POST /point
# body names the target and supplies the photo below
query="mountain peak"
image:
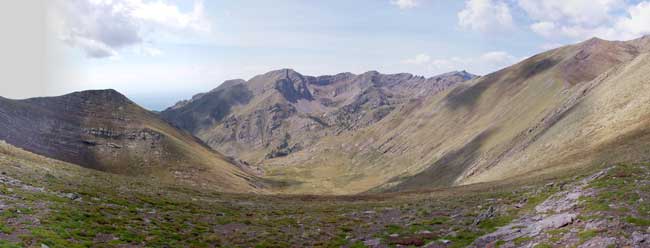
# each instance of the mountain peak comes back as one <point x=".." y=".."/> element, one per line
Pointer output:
<point x="229" y="83"/>
<point x="595" y="39"/>
<point x="282" y="72"/>
<point x="463" y="74"/>
<point x="100" y="92"/>
<point x="372" y="72"/>
<point x="99" y="97"/>
<point x="103" y="95"/>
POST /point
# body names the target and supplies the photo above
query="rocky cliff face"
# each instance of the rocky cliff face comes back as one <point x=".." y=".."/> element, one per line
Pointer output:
<point x="281" y="112"/>
<point x="104" y="130"/>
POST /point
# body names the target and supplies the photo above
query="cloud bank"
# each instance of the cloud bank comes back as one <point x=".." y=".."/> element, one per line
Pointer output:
<point x="485" y="16"/>
<point x="561" y="20"/>
<point x="582" y="19"/>
<point x="101" y="28"/>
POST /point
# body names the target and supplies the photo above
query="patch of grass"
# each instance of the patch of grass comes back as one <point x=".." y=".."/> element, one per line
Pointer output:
<point x="637" y="221"/>
<point x="414" y="228"/>
<point x="390" y="229"/>
<point x="556" y="235"/>
<point x="7" y="244"/>
<point x="644" y="209"/>
<point x="438" y="220"/>
<point x="9" y="213"/>
<point x="338" y="241"/>
<point x="130" y="236"/>
<point x="491" y="225"/>
<point x="587" y="235"/>
<point x="592" y="204"/>
<point x="6" y="229"/>
<point x="557" y="231"/>
<point x="543" y="245"/>
<point x="4" y="190"/>
<point x="51" y="238"/>
<point x="586" y="218"/>
<point x="346" y="229"/>
<point x="521" y="240"/>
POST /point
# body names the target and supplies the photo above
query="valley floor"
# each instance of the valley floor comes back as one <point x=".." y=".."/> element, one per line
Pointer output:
<point x="44" y="203"/>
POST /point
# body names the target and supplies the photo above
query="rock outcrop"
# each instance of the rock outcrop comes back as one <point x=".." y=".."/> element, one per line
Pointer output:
<point x="283" y="111"/>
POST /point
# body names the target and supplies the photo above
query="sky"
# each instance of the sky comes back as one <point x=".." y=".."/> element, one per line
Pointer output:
<point x="158" y="52"/>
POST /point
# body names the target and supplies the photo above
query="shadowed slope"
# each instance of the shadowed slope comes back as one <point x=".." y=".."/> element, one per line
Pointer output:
<point x="104" y="130"/>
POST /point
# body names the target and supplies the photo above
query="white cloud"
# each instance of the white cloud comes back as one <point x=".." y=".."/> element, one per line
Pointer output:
<point x="405" y="4"/>
<point x="497" y="58"/>
<point x="637" y="22"/>
<point x="102" y="27"/>
<point x="481" y="64"/>
<point x="546" y="29"/>
<point x="418" y="59"/>
<point x="582" y="19"/>
<point x="486" y="15"/>
<point x="583" y="12"/>
<point x="93" y="48"/>
<point x="168" y="16"/>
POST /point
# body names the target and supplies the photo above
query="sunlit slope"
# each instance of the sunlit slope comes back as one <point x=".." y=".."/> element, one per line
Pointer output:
<point x="609" y="123"/>
<point x="104" y="130"/>
<point x="494" y="127"/>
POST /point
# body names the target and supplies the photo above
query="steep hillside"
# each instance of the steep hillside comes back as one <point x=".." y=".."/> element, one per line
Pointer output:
<point x="45" y="202"/>
<point x="104" y="130"/>
<point x="568" y="107"/>
<point x="282" y="112"/>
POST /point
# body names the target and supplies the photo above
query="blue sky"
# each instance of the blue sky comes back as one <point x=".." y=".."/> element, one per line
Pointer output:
<point x="158" y="52"/>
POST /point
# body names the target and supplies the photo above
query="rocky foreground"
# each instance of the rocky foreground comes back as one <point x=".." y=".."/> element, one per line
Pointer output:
<point x="47" y="203"/>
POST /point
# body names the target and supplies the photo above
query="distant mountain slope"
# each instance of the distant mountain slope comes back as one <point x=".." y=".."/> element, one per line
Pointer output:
<point x="104" y="130"/>
<point x="572" y="106"/>
<point x="282" y="112"/>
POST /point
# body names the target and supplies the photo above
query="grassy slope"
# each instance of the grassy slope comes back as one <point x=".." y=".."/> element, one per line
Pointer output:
<point x="62" y="205"/>
<point x="199" y="163"/>
<point x="44" y="201"/>
<point x="609" y="125"/>
<point x="486" y="129"/>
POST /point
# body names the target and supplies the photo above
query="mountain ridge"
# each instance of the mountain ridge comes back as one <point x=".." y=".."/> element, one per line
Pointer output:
<point x="272" y="112"/>
<point x="349" y="133"/>
<point x="469" y="131"/>
<point x="104" y="130"/>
